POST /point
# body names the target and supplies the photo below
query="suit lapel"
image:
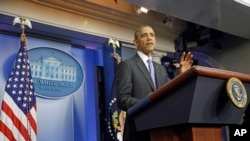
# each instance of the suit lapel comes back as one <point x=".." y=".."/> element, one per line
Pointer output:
<point x="144" y="70"/>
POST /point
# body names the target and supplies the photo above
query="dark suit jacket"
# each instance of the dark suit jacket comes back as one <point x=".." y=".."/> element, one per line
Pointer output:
<point x="133" y="83"/>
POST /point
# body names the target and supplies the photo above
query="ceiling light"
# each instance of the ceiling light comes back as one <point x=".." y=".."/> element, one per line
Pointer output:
<point x="244" y="2"/>
<point x="142" y="10"/>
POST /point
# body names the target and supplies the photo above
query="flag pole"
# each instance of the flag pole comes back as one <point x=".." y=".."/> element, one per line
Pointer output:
<point x="117" y="119"/>
<point x="25" y="22"/>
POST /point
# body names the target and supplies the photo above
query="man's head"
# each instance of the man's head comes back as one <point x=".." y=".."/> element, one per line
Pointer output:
<point x="145" y="39"/>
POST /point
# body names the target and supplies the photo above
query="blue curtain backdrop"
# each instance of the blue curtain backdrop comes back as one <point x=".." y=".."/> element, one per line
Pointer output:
<point x="92" y="59"/>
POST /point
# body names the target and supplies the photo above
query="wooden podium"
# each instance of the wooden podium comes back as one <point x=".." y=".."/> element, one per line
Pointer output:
<point x="194" y="106"/>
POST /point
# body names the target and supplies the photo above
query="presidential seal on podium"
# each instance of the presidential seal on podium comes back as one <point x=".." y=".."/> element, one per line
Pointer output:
<point x="236" y="92"/>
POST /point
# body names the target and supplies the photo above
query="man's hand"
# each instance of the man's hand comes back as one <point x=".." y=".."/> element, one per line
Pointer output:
<point x="186" y="61"/>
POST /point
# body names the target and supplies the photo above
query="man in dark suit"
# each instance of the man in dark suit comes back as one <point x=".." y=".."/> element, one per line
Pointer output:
<point x="134" y="82"/>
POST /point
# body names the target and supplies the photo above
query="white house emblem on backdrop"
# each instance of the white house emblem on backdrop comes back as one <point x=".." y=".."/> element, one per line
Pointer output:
<point x="55" y="73"/>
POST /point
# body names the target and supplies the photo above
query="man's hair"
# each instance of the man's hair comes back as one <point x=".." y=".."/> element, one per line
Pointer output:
<point x="138" y="29"/>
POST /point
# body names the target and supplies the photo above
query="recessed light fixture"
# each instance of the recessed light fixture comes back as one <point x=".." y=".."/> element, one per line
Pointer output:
<point x="144" y="10"/>
<point x="140" y="10"/>
<point x="243" y="2"/>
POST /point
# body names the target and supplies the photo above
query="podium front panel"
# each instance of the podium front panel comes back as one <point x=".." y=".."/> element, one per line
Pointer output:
<point x="202" y="100"/>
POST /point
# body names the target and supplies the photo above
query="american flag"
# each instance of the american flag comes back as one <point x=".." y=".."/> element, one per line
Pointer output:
<point x="18" y="113"/>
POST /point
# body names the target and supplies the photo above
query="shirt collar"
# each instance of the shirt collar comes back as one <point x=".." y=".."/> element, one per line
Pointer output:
<point x="144" y="57"/>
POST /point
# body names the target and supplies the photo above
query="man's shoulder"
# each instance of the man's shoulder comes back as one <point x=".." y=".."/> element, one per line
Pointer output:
<point x="131" y="59"/>
<point x="129" y="62"/>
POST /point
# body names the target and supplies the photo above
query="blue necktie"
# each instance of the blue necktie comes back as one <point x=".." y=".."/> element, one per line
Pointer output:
<point x="151" y="70"/>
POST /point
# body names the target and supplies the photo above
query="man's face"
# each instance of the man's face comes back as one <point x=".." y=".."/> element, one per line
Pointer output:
<point x="145" y="41"/>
